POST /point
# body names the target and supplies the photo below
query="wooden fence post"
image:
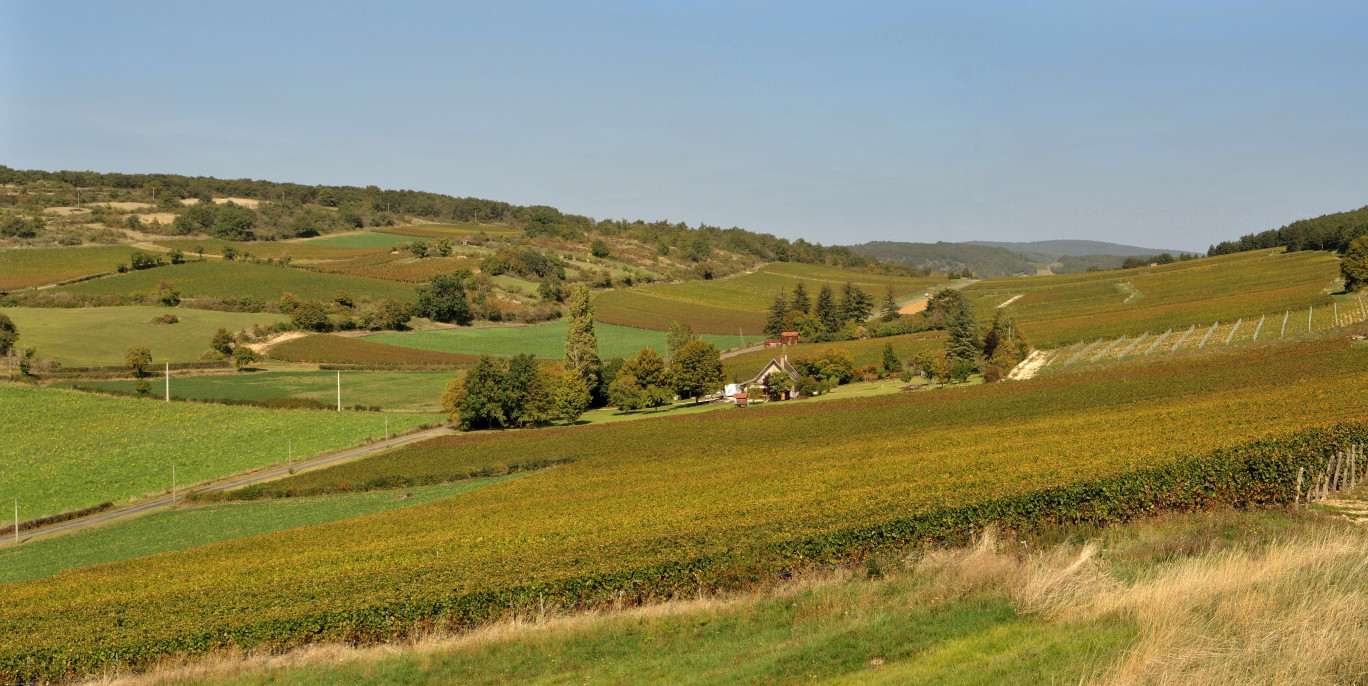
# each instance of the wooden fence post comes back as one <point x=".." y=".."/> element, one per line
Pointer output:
<point x="1296" y="504"/>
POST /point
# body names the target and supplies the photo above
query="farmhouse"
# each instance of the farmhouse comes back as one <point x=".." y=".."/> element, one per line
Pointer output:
<point x="736" y="392"/>
<point x="785" y="338"/>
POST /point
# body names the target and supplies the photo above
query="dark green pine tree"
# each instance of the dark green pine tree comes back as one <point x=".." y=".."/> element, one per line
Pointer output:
<point x="774" y="325"/>
<point x="963" y="343"/>
<point x="801" y="301"/>
<point x="890" y="305"/>
<point x="825" y="309"/>
<point x="891" y="364"/>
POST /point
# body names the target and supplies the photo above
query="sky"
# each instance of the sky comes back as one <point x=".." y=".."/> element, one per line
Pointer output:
<point x="1166" y="125"/>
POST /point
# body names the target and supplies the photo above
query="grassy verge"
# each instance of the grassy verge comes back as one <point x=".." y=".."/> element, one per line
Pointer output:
<point x="1205" y="598"/>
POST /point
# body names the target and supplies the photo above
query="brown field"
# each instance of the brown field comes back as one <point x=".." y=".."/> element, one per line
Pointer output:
<point x="328" y="349"/>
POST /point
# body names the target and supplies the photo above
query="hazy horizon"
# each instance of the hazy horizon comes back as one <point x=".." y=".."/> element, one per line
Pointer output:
<point x="1164" y="126"/>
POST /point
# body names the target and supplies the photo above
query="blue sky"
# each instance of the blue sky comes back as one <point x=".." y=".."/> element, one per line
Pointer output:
<point x="1161" y="124"/>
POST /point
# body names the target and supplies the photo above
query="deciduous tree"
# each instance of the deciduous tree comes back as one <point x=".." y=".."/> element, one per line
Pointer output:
<point x="138" y="358"/>
<point x="1354" y="266"/>
<point x="443" y="299"/>
<point x="697" y="370"/>
<point x="581" y="344"/>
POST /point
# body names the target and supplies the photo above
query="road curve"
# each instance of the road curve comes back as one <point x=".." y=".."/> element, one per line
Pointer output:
<point x="231" y="482"/>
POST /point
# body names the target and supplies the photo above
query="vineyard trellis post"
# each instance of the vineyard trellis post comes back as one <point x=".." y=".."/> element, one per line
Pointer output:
<point x="1309" y="311"/>
<point x="1259" y="328"/>
<point x="1210" y="331"/>
<point x="1362" y="310"/>
<point x="1286" y="314"/>
<point x="1156" y="342"/>
<point x="1300" y="474"/>
<point x="1336" y="304"/>
<point x="1231" y="336"/>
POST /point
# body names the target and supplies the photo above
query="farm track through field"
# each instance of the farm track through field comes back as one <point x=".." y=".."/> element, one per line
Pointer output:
<point x="229" y="483"/>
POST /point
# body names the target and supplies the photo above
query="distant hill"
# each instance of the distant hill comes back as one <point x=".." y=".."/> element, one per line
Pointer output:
<point x="983" y="260"/>
<point x="1076" y="248"/>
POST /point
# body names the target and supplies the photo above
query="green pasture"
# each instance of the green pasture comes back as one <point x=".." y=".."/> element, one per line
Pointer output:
<point x="359" y="239"/>
<point x="66" y="450"/>
<point x="189" y="527"/>
<point x="219" y="279"/>
<point x="29" y="267"/>
<point x="417" y="391"/>
<point x="544" y="341"/>
<point x="756" y="291"/>
<point x="98" y="336"/>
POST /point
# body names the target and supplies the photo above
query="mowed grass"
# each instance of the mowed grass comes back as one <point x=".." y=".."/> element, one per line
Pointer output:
<point x="653" y="497"/>
<point x="1057" y="310"/>
<point x="188" y="527"/>
<point x="329" y="349"/>
<point x="29" y="267"/>
<point x="66" y="450"/>
<point x="864" y="352"/>
<point x="219" y="279"/>
<point x="358" y="239"/>
<point x="415" y="391"/>
<point x="99" y="336"/>
<point x="544" y="341"/>
<point x="715" y="306"/>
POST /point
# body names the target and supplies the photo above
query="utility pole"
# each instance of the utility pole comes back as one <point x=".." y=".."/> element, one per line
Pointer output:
<point x="173" y="483"/>
<point x="168" y="382"/>
<point x="289" y="446"/>
<point x="339" y="390"/>
<point x="16" y="521"/>
<point x="387" y="427"/>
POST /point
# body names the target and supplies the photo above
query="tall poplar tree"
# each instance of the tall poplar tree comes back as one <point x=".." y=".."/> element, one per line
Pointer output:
<point x="581" y="345"/>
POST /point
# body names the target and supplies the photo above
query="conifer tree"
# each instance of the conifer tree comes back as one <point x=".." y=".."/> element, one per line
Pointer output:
<point x="825" y="309"/>
<point x="581" y="345"/>
<point x="774" y="325"/>
<point x="801" y="301"/>
<point x="890" y="359"/>
<point x="890" y="305"/>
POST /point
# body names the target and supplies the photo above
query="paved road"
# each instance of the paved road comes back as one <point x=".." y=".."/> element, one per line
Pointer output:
<point x="231" y="482"/>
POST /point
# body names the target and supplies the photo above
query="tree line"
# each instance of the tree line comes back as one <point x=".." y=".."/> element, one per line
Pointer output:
<point x="522" y="392"/>
<point x="1327" y="232"/>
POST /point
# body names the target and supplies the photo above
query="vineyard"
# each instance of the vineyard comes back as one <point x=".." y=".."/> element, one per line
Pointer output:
<point x="327" y="349"/>
<point x="710" y="500"/>
<point x="389" y="267"/>
<point x="66" y="450"/>
<point x="723" y="305"/>
<point x="219" y="279"/>
<point x="1061" y="310"/>
<point x="544" y="341"/>
<point x="63" y="334"/>
<point x="1341" y="311"/>
<point x="298" y="250"/>
<point x="29" y="267"/>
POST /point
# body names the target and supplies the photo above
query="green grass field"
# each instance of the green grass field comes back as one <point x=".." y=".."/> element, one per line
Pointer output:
<point x="1056" y="310"/>
<point x="545" y="341"/>
<point x="220" y="279"/>
<point x="65" y="450"/>
<point x="359" y="239"/>
<point x="98" y="336"/>
<point x="29" y="267"/>
<point x="415" y="391"/>
<point x="723" y="305"/>
<point x="439" y="231"/>
<point x="188" y="527"/>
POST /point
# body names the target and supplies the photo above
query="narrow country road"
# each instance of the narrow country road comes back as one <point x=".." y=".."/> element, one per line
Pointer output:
<point x="230" y="482"/>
